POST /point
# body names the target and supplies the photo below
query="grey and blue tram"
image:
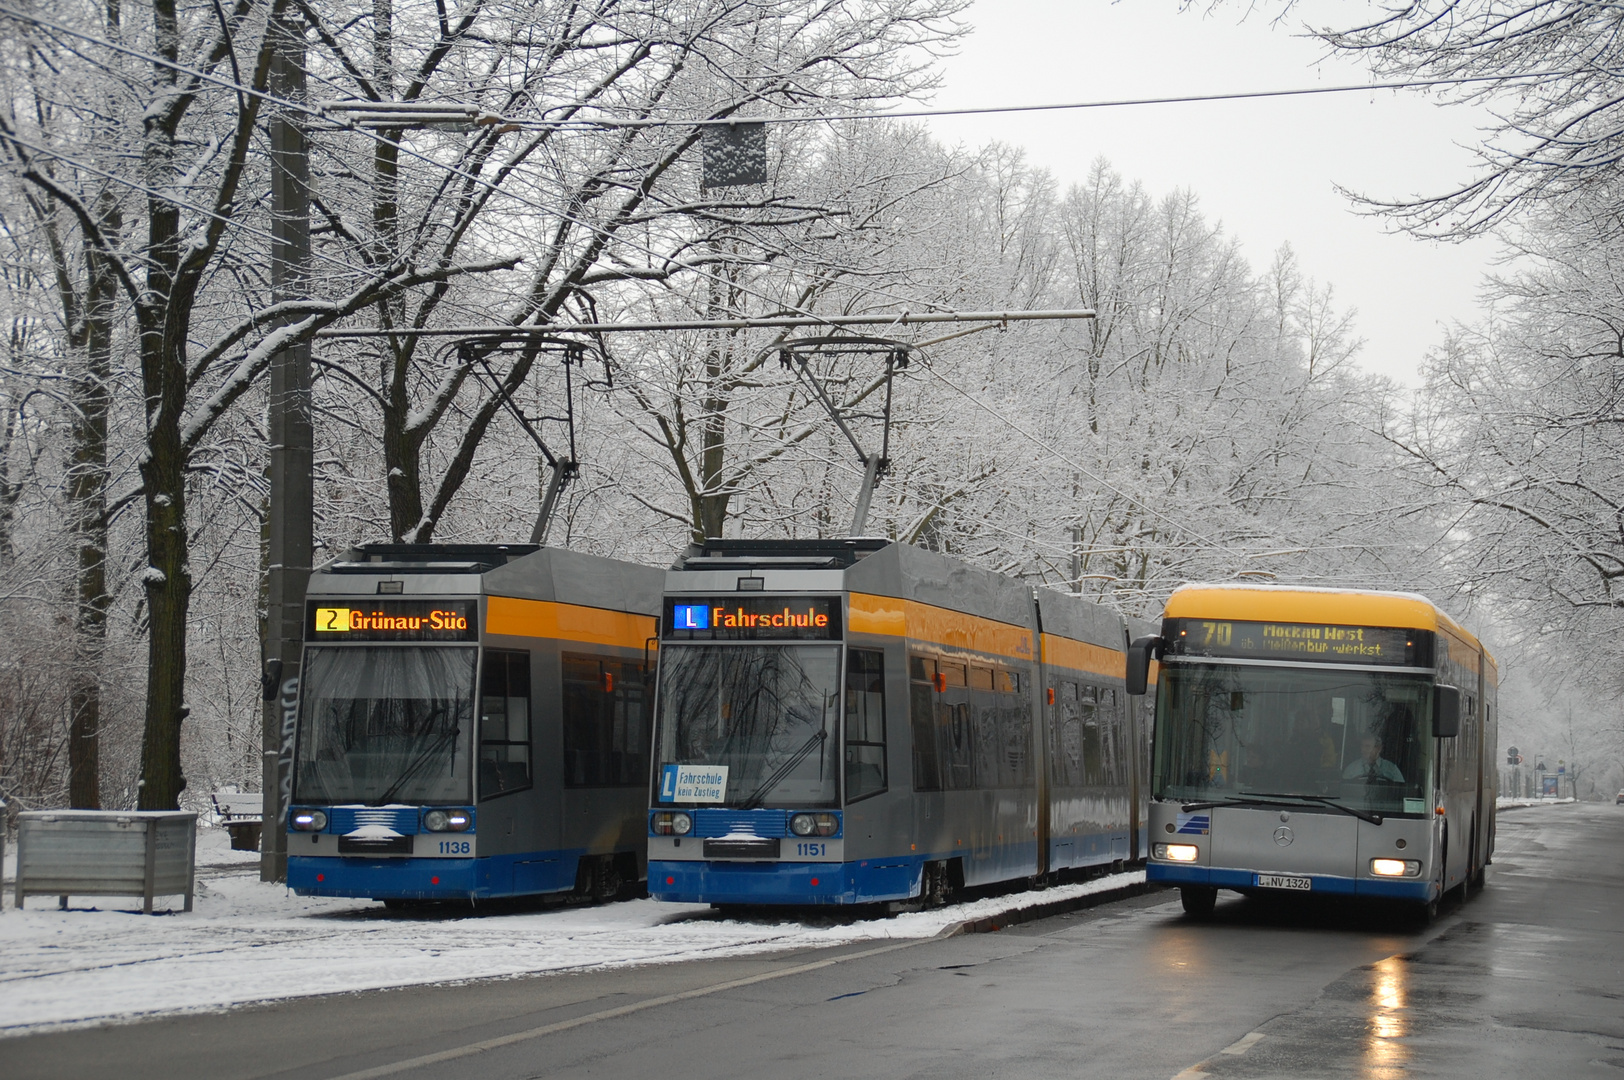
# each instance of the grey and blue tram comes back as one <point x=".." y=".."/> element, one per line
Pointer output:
<point x="857" y="721"/>
<point x="472" y="723"/>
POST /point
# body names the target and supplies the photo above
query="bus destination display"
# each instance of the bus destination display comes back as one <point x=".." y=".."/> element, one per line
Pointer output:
<point x="756" y="618"/>
<point x="345" y="619"/>
<point x="1316" y="642"/>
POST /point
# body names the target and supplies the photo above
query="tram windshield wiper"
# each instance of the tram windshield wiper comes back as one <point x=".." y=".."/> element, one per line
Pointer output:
<point x="1323" y="800"/>
<point x="784" y="770"/>
<point x="422" y="759"/>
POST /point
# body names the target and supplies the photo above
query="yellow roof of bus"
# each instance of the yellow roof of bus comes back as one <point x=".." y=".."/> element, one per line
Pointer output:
<point x="1289" y="603"/>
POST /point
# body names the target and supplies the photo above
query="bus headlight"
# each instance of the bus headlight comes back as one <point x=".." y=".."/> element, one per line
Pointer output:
<point x="1395" y="867"/>
<point x="308" y="820"/>
<point x="1176" y="852"/>
<point x="447" y="820"/>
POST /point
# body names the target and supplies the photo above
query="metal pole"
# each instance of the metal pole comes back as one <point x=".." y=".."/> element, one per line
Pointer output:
<point x="865" y="495"/>
<point x="289" y="524"/>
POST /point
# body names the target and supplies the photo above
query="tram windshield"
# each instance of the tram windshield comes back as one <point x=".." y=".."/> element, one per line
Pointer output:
<point x="1359" y="738"/>
<point x="385" y="724"/>
<point x="767" y="713"/>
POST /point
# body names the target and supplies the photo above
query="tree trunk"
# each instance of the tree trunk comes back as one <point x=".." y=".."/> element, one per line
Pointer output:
<point x="87" y="491"/>
<point x="168" y="591"/>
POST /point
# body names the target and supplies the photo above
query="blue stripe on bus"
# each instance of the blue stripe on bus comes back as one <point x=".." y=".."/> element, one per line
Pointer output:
<point x="485" y="877"/>
<point x="1385" y="888"/>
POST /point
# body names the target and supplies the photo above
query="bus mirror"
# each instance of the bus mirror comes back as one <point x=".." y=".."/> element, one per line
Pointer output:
<point x="1445" y="712"/>
<point x="1139" y="657"/>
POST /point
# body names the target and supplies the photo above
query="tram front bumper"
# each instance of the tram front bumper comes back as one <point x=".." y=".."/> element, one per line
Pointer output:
<point x="788" y="883"/>
<point x="387" y="879"/>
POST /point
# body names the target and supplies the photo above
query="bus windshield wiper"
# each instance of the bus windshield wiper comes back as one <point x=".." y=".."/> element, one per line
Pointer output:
<point x="784" y="770"/>
<point x="1323" y="800"/>
<point x="1269" y="798"/>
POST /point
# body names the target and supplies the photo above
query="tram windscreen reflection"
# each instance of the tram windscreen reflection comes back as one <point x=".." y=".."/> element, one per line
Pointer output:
<point x="381" y="724"/>
<point x="767" y="712"/>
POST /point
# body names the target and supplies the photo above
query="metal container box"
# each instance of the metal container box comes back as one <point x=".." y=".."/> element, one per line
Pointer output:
<point x="106" y="853"/>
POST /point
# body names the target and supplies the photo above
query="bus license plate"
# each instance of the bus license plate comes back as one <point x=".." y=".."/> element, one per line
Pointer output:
<point x="1279" y="881"/>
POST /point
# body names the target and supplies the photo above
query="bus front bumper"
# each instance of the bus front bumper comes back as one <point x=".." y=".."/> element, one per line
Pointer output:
<point x="1319" y="884"/>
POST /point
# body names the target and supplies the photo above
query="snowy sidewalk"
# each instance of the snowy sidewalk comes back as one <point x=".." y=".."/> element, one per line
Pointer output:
<point x="249" y="941"/>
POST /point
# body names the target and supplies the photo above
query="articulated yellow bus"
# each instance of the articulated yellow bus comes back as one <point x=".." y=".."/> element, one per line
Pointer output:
<point x="1318" y="741"/>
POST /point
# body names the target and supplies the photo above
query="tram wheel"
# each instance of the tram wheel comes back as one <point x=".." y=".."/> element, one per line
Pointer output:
<point x="937" y="886"/>
<point x="1198" y="900"/>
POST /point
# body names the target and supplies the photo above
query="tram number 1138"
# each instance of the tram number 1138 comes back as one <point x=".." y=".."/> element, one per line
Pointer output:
<point x="456" y="847"/>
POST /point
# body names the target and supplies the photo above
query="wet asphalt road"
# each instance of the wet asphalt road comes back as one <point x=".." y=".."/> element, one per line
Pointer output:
<point x="1525" y="979"/>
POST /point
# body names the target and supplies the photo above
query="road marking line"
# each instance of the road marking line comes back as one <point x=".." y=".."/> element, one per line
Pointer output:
<point x="624" y="1010"/>
<point x="1243" y="1044"/>
<point x="1192" y="1073"/>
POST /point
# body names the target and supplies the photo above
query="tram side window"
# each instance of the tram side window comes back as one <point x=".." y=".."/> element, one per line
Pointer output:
<point x="1093" y="741"/>
<point x="922" y="723"/>
<point x="955" y="729"/>
<point x="1067" y="769"/>
<point x="504" y="724"/>
<point x="865" y="723"/>
<point x="606" y="732"/>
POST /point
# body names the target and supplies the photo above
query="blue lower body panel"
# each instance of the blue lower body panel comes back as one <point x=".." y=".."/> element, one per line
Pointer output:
<point x="1323" y="884"/>
<point x="866" y="881"/>
<point x="485" y="877"/>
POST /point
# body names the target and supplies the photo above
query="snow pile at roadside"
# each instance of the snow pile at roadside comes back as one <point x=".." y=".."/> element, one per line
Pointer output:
<point x="250" y="941"/>
<point x="1505" y="804"/>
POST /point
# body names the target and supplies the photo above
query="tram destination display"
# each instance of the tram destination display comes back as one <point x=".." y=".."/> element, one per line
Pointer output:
<point x="1325" y="643"/>
<point x="755" y="618"/>
<point x="350" y="619"/>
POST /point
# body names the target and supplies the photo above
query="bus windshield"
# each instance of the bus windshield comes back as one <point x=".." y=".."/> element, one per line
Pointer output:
<point x="1360" y="738"/>
<point x="767" y="713"/>
<point x="385" y="724"/>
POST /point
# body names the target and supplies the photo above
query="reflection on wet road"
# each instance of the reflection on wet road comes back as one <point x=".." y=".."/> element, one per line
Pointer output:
<point x="1524" y="979"/>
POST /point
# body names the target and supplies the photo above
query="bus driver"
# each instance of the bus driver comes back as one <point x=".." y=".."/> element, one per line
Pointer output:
<point x="1371" y="766"/>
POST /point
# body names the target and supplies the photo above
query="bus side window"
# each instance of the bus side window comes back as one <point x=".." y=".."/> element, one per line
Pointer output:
<point x="504" y="723"/>
<point x="865" y="723"/>
<point x="1093" y="740"/>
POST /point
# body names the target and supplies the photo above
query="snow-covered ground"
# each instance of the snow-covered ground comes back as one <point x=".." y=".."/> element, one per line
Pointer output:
<point x="247" y="941"/>
<point x="1504" y="803"/>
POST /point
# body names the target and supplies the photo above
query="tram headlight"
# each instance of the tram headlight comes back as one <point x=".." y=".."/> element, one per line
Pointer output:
<point x="827" y="824"/>
<point x="447" y="820"/>
<point x="669" y="822"/>
<point x="1395" y="867"/>
<point x="309" y="820"/>
<point x="802" y="824"/>
<point x="1176" y="852"/>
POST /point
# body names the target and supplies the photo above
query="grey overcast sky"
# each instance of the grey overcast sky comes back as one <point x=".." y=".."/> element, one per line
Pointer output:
<point x="1266" y="169"/>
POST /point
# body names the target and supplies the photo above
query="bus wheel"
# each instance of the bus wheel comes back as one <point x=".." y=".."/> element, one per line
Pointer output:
<point x="1198" y="900"/>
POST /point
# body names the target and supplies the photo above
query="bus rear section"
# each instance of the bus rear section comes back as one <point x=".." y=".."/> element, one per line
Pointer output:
<point x="1302" y="746"/>
<point x="471" y="725"/>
